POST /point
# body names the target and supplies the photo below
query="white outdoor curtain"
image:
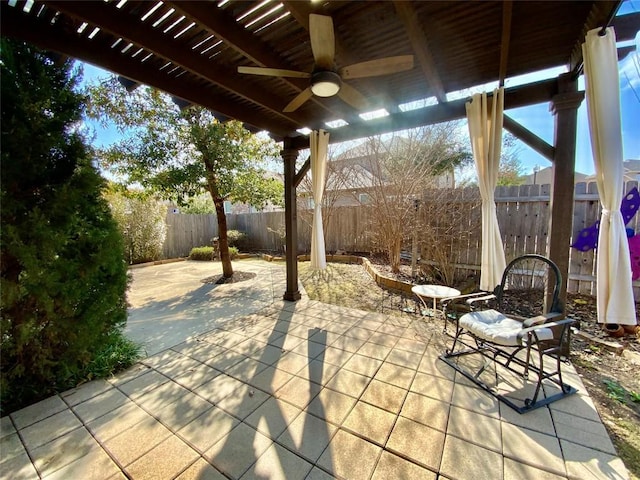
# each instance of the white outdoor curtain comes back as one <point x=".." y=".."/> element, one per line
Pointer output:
<point x="613" y="268"/>
<point x="319" y="142"/>
<point x="485" y="130"/>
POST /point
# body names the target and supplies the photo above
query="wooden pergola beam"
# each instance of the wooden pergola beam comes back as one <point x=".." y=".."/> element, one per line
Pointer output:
<point x="14" y="24"/>
<point x="515" y="97"/>
<point x="507" y="8"/>
<point x="529" y="138"/>
<point x="420" y="46"/>
<point x="224" y="26"/>
<point x="143" y="35"/>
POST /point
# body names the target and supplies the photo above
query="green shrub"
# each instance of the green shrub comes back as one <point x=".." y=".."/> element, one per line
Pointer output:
<point x="201" y="253"/>
<point x="64" y="277"/>
<point x="235" y="237"/>
<point x="207" y="253"/>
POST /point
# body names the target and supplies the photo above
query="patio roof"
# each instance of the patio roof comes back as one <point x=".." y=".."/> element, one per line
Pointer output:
<point x="192" y="50"/>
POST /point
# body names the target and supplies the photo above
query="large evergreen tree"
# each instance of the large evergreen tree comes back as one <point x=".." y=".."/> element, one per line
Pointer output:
<point x="63" y="276"/>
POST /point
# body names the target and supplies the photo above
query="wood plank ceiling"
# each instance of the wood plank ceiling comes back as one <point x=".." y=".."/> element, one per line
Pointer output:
<point x="192" y="50"/>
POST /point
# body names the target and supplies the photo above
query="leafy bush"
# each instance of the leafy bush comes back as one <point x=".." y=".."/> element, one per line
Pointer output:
<point x="235" y="237"/>
<point x="201" y="253"/>
<point x="64" y="276"/>
<point x="208" y="253"/>
<point x="141" y="221"/>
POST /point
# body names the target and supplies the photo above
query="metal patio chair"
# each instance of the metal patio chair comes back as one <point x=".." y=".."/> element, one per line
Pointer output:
<point x="518" y="325"/>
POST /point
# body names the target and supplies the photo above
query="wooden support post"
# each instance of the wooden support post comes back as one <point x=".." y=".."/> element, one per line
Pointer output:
<point x="564" y="107"/>
<point x="289" y="155"/>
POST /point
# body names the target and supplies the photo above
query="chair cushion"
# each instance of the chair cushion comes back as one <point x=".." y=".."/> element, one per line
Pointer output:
<point x="493" y="326"/>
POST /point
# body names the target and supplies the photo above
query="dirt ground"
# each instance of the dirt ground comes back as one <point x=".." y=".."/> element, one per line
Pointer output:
<point x="612" y="379"/>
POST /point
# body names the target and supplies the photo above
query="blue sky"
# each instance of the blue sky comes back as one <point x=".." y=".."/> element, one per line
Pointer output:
<point x="536" y="118"/>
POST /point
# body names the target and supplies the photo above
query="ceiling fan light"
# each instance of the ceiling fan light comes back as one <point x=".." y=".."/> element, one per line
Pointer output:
<point x="325" y="83"/>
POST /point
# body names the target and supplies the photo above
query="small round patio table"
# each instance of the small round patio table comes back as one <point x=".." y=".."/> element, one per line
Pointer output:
<point x="436" y="292"/>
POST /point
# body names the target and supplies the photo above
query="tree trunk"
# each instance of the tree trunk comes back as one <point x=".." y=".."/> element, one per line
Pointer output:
<point x="394" y="255"/>
<point x="223" y="242"/>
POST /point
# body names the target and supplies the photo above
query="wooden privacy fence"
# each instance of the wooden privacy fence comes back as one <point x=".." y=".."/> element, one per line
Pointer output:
<point x="523" y="216"/>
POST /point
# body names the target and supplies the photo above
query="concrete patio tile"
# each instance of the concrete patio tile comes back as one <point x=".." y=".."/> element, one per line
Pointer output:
<point x="243" y="401"/>
<point x="533" y="448"/>
<point x="178" y="366"/>
<point x="135" y="442"/>
<point x="160" y="397"/>
<point x="62" y="451"/>
<point x="475" y="428"/>
<point x="292" y="362"/>
<point x="461" y="459"/>
<point x="404" y="358"/>
<point x="331" y="406"/>
<point x="311" y="349"/>
<point x="223" y="338"/>
<point x="95" y="465"/>
<point x="370" y="322"/>
<point x="278" y="463"/>
<point x="128" y="375"/>
<point x="359" y="332"/>
<point x="201" y="470"/>
<point x="583" y="432"/>
<point x="246" y="369"/>
<point x="218" y="388"/>
<point x="432" y="365"/>
<point x="348" y="344"/>
<point x="163" y="461"/>
<point x="319" y="372"/>
<point x="192" y="378"/>
<point x="6" y="426"/>
<point x="579" y="405"/>
<point x="143" y="383"/>
<point x="519" y="471"/>
<point x="374" y="350"/>
<point x="475" y="399"/>
<point x="336" y="356"/>
<point x="100" y="404"/>
<point x="207" y="429"/>
<point x="392" y="466"/>
<point x="383" y="339"/>
<point x="363" y="365"/>
<point x="432" y="386"/>
<point x="49" y="429"/>
<point x="298" y="392"/>
<point x="269" y="355"/>
<point x="538" y="419"/>
<point x="308" y="436"/>
<point x="417" y="442"/>
<point x="588" y="464"/>
<point x="370" y="422"/>
<point x="117" y="421"/>
<point x="318" y="474"/>
<point x="384" y="395"/>
<point x="181" y="412"/>
<point x="426" y="410"/>
<point x="225" y="360"/>
<point x="18" y="467"/>
<point x="164" y="357"/>
<point x="349" y="383"/>
<point x="270" y="379"/>
<point x="85" y="391"/>
<point x="395" y="375"/>
<point x="204" y="352"/>
<point x="238" y="450"/>
<point x="11" y="446"/>
<point x="273" y="417"/>
<point x="349" y="456"/>
<point x="325" y="338"/>
<point x="412" y="346"/>
<point x="38" y="411"/>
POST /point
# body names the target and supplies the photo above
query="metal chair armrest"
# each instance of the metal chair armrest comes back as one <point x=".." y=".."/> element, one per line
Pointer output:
<point x="526" y="332"/>
<point x="541" y="319"/>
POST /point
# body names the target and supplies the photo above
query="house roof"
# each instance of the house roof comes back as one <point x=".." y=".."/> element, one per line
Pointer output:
<point x="192" y="50"/>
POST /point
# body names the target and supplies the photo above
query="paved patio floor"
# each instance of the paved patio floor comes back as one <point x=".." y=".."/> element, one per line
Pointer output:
<point x="279" y="390"/>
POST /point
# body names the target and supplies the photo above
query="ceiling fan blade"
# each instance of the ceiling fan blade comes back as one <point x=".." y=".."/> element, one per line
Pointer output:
<point x="374" y="68"/>
<point x="298" y="100"/>
<point x="323" y="42"/>
<point x="273" y="72"/>
<point x="353" y="97"/>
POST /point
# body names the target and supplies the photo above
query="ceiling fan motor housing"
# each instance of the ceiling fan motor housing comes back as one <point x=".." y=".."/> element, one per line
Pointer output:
<point x="325" y="83"/>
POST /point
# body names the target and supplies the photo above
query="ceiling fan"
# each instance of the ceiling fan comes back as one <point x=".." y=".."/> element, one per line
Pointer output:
<point x="325" y="80"/>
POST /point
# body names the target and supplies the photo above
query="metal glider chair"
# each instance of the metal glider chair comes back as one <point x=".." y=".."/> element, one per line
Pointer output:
<point x="518" y="326"/>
